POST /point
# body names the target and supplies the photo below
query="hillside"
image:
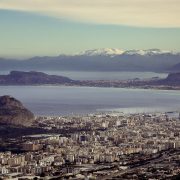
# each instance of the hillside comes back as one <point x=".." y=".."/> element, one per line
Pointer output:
<point x="176" y="68"/>
<point x="107" y="59"/>
<point x="173" y="79"/>
<point x="39" y="78"/>
<point x="12" y="112"/>
<point x="32" y="78"/>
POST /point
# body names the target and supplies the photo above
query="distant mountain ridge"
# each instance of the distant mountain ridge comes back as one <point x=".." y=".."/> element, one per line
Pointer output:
<point x="115" y="52"/>
<point x="102" y="52"/>
<point x="107" y="59"/>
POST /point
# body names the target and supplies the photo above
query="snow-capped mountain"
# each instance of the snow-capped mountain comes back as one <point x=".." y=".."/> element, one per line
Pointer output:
<point x="148" y="52"/>
<point x="102" y="52"/>
<point x="115" y="52"/>
<point x="107" y="59"/>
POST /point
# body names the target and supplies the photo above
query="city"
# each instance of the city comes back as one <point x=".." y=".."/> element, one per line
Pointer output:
<point x="89" y="90"/>
<point x="97" y="146"/>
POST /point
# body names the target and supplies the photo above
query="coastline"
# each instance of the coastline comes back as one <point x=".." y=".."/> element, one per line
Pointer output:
<point x="121" y="87"/>
<point x="33" y="78"/>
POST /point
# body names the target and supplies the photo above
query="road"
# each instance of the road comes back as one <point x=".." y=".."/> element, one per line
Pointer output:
<point x="129" y="170"/>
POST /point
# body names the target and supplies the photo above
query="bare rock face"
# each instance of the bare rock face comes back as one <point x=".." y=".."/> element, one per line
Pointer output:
<point x="12" y="112"/>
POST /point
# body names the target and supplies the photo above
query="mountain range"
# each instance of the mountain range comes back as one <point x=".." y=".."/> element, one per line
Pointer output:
<point x="115" y="52"/>
<point x="106" y="59"/>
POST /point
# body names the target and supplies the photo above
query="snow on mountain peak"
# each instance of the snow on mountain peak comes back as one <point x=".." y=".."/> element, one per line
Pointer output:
<point x="147" y="52"/>
<point x="103" y="52"/>
<point x="115" y="52"/>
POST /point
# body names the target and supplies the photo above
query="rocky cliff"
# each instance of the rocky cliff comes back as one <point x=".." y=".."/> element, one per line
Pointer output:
<point x="12" y="112"/>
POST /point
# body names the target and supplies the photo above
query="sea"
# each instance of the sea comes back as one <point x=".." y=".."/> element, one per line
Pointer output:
<point x="64" y="100"/>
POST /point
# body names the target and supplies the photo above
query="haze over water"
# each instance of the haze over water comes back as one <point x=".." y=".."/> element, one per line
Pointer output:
<point x="61" y="100"/>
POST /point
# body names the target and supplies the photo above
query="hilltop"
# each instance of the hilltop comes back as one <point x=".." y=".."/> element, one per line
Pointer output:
<point x="12" y="112"/>
<point x="32" y="78"/>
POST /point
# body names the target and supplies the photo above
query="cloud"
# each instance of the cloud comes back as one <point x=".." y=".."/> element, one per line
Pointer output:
<point x="144" y="13"/>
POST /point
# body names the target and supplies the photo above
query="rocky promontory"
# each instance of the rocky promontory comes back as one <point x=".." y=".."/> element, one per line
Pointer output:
<point x="32" y="78"/>
<point x="12" y="112"/>
<point x="40" y="78"/>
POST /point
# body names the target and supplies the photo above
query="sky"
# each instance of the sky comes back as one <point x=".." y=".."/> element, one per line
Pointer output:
<point x="52" y="27"/>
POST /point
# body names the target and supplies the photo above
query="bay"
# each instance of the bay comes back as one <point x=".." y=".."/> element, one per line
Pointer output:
<point x="88" y="75"/>
<point x="64" y="100"/>
<point x="122" y="75"/>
